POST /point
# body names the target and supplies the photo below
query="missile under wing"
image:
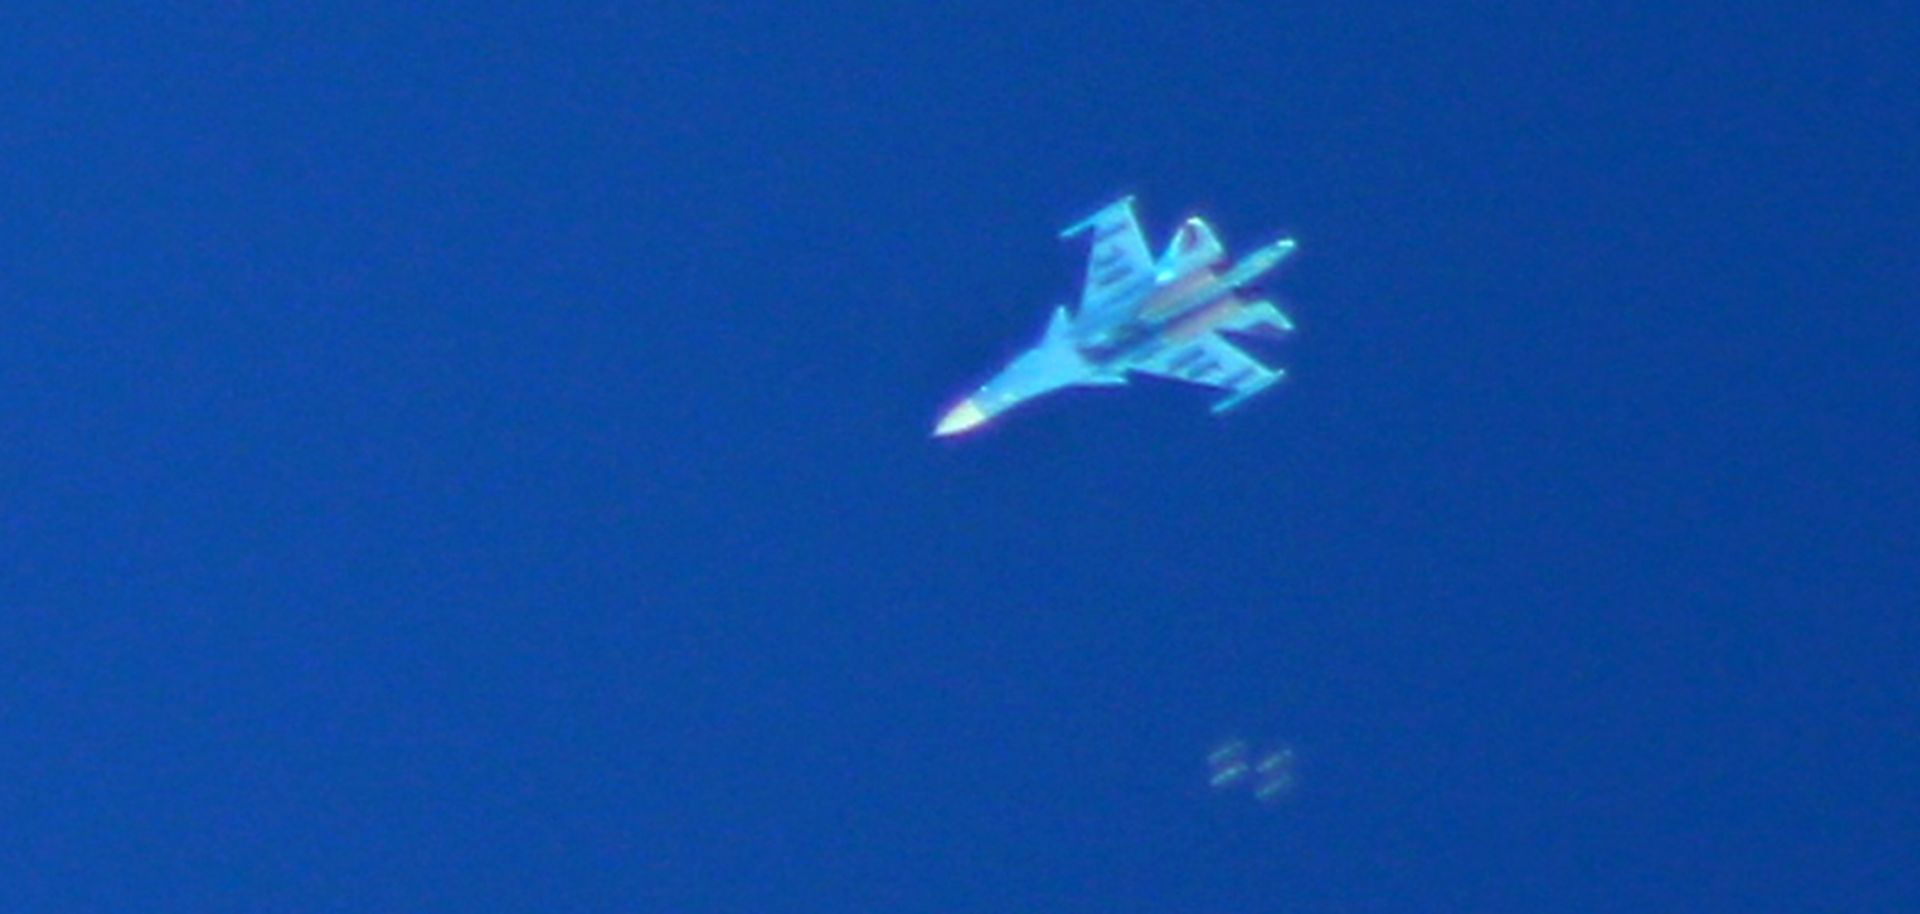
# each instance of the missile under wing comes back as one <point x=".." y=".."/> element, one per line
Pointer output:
<point x="1170" y="317"/>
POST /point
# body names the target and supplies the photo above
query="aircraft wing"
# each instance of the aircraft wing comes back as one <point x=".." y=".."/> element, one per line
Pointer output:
<point x="1118" y="264"/>
<point x="1212" y="360"/>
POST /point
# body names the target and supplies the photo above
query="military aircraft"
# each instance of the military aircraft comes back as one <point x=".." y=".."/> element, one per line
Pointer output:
<point x="1163" y="318"/>
<point x="1271" y="778"/>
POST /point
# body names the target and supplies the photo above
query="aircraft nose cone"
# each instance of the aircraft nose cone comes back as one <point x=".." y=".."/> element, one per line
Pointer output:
<point x="964" y="416"/>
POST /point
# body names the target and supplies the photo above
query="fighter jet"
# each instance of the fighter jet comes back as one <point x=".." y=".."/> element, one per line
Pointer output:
<point x="1160" y="317"/>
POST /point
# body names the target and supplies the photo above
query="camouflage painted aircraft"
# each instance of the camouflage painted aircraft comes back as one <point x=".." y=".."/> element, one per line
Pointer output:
<point x="1163" y="318"/>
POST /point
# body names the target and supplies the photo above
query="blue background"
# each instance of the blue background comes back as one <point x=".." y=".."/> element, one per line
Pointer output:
<point x="474" y="458"/>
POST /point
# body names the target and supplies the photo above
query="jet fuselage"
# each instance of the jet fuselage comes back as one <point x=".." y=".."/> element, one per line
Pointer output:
<point x="1175" y="308"/>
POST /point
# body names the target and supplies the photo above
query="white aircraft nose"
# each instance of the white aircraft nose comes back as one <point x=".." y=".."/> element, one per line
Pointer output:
<point x="967" y="414"/>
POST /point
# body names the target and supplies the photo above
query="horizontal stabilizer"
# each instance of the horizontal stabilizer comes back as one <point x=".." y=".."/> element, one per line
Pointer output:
<point x="1261" y="318"/>
<point x="1247" y="390"/>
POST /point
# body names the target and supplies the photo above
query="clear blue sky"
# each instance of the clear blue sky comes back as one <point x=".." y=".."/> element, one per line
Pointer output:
<point x="474" y="459"/>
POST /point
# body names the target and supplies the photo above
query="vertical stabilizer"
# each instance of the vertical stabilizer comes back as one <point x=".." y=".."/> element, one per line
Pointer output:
<point x="1194" y="246"/>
